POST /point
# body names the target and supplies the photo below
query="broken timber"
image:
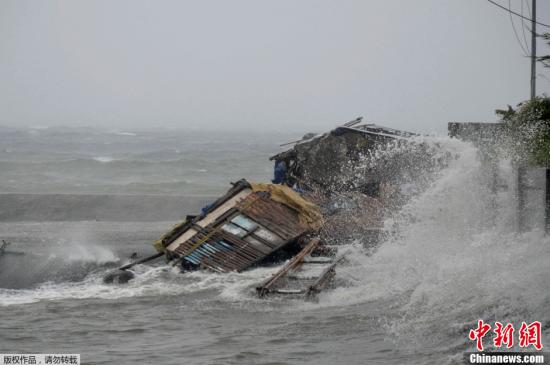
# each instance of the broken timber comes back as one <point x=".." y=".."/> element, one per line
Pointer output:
<point x="323" y="279"/>
<point x="288" y="281"/>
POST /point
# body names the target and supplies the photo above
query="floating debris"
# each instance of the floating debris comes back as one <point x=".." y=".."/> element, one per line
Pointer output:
<point x="3" y="249"/>
<point x="5" y="245"/>
<point x="306" y="274"/>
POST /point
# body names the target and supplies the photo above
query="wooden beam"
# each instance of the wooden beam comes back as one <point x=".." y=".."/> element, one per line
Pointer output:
<point x="265" y="287"/>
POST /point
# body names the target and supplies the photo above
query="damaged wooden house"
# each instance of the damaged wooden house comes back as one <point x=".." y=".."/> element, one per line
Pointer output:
<point x="358" y="173"/>
<point x="255" y="224"/>
<point x="326" y="191"/>
<point x="246" y="226"/>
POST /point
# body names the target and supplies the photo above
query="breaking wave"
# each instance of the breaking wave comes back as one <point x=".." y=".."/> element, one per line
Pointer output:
<point x="453" y="257"/>
<point x="104" y="159"/>
<point x="149" y="281"/>
<point x="154" y="281"/>
<point x="153" y="173"/>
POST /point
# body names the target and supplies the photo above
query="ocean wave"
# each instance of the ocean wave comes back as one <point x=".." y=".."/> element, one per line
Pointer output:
<point x="104" y="159"/>
<point x="126" y="134"/>
<point x="149" y="281"/>
<point x="453" y="257"/>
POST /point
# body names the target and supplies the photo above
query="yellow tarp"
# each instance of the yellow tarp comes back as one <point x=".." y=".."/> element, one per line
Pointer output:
<point x="159" y="246"/>
<point x="308" y="212"/>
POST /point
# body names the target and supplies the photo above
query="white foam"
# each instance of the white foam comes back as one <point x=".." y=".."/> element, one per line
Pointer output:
<point x="128" y="134"/>
<point x="148" y="281"/>
<point x="454" y="258"/>
<point x="78" y="243"/>
<point x="104" y="159"/>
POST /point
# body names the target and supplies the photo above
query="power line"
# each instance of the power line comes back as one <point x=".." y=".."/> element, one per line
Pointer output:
<point x="521" y="16"/>
<point x="525" y="52"/>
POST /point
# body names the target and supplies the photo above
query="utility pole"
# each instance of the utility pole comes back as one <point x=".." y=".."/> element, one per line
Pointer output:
<point x="533" y="49"/>
<point x="522" y="172"/>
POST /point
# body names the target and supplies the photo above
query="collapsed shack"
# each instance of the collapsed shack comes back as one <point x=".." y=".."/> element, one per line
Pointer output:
<point x="328" y="162"/>
<point x="255" y="224"/>
<point x="359" y="173"/>
<point x="251" y="224"/>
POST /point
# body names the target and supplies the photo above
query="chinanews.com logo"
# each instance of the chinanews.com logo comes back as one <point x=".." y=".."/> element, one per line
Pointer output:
<point x="528" y="339"/>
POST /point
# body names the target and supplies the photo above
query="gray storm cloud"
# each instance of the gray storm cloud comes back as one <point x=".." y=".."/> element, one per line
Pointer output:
<point x="302" y="65"/>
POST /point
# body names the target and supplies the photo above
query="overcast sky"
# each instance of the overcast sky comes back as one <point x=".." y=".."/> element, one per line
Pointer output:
<point x="263" y="65"/>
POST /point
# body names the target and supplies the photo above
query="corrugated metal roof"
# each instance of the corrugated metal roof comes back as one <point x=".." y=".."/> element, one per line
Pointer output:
<point x="354" y="127"/>
<point x="275" y="216"/>
<point x="220" y="252"/>
<point x="218" y="249"/>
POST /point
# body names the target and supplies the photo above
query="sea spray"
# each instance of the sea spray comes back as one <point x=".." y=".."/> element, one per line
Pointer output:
<point x="68" y="255"/>
<point x="78" y="244"/>
<point x="452" y="257"/>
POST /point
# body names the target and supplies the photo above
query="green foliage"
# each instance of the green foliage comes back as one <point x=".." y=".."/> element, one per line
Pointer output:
<point x="529" y="129"/>
<point x="506" y="114"/>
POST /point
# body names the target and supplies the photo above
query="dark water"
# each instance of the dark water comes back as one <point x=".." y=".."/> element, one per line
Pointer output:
<point x="162" y="316"/>
<point x="411" y="302"/>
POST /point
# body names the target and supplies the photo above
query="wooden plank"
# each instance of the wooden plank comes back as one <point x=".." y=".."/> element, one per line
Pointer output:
<point x="265" y="287"/>
<point x="210" y="218"/>
<point x="289" y="291"/>
<point x="322" y="280"/>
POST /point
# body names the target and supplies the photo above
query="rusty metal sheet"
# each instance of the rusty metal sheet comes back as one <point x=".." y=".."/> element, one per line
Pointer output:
<point x="274" y="216"/>
<point x="220" y="251"/>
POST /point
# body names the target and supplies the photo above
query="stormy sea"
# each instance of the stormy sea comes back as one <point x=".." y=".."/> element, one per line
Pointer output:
<point x="77" y="202"/>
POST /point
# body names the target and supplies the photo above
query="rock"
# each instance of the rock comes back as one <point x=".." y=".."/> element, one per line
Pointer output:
<point x="118" y="277"/>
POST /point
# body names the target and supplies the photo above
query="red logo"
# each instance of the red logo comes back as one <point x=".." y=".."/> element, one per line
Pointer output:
<point x="529" y="334"/>
<point x="478" y="334"/>
<point x="504" y="335"/>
